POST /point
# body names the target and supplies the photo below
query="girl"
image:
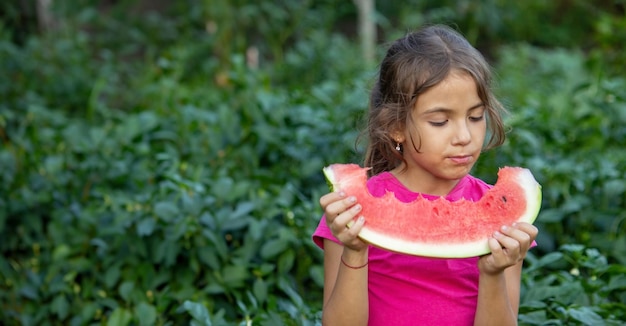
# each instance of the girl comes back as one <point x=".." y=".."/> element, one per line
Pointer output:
<point x="430" y="109"/>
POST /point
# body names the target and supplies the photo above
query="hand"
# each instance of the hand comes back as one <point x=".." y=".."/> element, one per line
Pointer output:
<point x="340" y="212"/>
<point x="508" y="247"/>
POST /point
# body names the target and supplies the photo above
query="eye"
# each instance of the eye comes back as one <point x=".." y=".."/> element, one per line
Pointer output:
<point x="477" y="118"/>
<point x="438" y="123"/>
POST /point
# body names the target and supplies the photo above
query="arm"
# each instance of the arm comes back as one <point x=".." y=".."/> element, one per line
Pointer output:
<point x="498" y="297"/>
<point x="500" y="275"/>
<point x="345" y="288"/>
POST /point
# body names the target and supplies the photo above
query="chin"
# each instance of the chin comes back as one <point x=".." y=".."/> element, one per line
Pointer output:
<point x="461" y="172"/>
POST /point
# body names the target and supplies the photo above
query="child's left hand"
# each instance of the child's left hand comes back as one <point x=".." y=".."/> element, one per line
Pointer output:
<point x="509" y="246"/>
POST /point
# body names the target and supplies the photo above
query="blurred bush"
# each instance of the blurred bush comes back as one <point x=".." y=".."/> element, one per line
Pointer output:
<point x="161" y="164"/>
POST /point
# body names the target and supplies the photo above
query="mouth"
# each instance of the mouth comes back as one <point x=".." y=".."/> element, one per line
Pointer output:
<point x="461" y="159"/>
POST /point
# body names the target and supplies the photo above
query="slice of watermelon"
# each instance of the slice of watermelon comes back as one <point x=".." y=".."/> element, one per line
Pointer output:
<point x="439" y="228"/>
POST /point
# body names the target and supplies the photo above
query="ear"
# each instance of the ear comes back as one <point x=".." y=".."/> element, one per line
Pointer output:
<point x="398" y="136"/>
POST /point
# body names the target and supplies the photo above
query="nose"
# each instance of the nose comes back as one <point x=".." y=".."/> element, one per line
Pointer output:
<point x="463" y="134"/>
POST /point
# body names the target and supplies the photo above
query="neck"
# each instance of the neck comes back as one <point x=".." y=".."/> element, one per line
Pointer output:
<point x="424" y="183"/>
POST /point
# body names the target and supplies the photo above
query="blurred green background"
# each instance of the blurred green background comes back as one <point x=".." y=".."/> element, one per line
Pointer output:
<point x="160" y="161"/>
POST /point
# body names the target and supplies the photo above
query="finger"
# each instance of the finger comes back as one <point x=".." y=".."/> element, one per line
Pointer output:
<point x="497" y="257"/>
<point x="330" y="198"/>
<point x="345" y="219"/>
<point x="337" y="207"/>
<point x="502" y="257"/>
<point x="511" y="246"/>
<point x="349" y="237"/>
<point x="495" y="246"/>
<point x="520" y="235"/>
<point x="530" y="229"/>
<point x="355" y="228"/>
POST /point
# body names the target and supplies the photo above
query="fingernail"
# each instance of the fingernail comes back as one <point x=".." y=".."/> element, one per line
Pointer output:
<point x="357" y="207"/>
<point x="352" y="199"/>
<point x="497" y="234"/>
<point x="342" y="194"/>
<point x="504" y="228"/>
<point x="361" y="219"/>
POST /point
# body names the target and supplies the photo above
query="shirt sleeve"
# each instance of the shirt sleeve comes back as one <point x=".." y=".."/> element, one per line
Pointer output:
<point x="323" y="232"/>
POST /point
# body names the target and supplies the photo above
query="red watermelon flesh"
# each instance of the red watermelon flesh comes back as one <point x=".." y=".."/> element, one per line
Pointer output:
<point x="440" y="228"/>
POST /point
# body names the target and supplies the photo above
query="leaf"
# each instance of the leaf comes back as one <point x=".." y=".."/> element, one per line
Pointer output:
<point x="135" y="125"/>
<point x="551" y="215"/>
<point x="218" y="241"/>
<point x="146" y="313"/>
<point x="259" y="288"/>
<point x="60" y="306"/>
<point x="29" y="292"/>
<point x="317" y="274"/>
<point x="214" y="288"/>
<point x="198" y="311"/>
<point x="617" y="282"/>
<point x="285" y="261"/>
<point x="120" y="317"/>
<point x="533" y="305"/>
<point x="533" y="318"/>
<point x="273" y="247"/>
<point x="166" y="210"/>
<point x="256" y="229"/>
<point x="572" y="248"/>
<point x="208" y="257"/>
<point x="166" y="252"/>
<point x="286" y="287"/>
<point x="546" y="260"/>
<point x="243" y="209"/>
<point x="566" y="293"/>
<point x="125" y="290"/>
<point x="146" y="226"/>
<point x="101" y="246"/>
<point x="89" y="310"/>
<point x="112" y="276"/>
<point x="586" y="316"/>
<point x="233" y="223"/>
<point x="234" y="276"/>
<point x="61" y="252"/>
<point x="614" y="187"/>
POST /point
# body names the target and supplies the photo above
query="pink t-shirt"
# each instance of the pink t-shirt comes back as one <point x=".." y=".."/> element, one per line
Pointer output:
<point x="411" y="290"/>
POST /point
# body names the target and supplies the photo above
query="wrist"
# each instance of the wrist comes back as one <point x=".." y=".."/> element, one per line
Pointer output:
<point x="483" y="274"/>
<point x="354" y="259"/>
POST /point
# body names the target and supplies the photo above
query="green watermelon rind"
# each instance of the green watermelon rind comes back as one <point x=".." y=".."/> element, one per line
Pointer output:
<point x="524" y="179"/>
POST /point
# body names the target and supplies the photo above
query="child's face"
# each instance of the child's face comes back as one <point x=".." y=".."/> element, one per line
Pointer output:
<point x="448" y="127"/>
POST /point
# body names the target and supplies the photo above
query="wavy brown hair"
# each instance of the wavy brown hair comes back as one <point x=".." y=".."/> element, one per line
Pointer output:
<point x="413" y="64"/>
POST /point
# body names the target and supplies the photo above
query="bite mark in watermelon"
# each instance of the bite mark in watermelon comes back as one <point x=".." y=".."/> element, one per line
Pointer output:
<point x="439" y="228"/>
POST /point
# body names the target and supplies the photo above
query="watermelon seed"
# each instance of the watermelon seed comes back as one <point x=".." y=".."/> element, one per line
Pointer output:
<point x="504" y="199"/>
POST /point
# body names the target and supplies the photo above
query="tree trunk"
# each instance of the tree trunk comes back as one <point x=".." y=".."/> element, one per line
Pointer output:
<point x="45" y="18"/>
<point x="367" y="29"/>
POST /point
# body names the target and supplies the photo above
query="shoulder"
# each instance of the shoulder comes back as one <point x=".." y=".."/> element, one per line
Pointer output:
<point x="384" y="182"/>
<point x="380" y="183"/>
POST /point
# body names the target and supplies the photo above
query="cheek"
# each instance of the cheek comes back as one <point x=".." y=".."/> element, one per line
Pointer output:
<point x="479" y="129"/>
<point x="483" y="131"/>
<point x="429" y="140"/>
<point x="413" y="137"/>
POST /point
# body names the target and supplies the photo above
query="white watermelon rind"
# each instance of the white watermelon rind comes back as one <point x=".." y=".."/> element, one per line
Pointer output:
<point x="524" y="178"/>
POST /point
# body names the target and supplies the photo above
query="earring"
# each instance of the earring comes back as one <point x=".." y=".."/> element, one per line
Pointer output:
<point x="398" y="148"/>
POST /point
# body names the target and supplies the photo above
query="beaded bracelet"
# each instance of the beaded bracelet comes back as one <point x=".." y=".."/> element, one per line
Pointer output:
<point x="353" y="267"/>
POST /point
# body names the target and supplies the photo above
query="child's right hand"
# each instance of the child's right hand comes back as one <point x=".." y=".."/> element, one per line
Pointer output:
<point x="340" y="211"/>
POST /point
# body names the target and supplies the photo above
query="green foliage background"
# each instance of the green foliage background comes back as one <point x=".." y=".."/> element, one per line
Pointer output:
<point x="150" y="173"/>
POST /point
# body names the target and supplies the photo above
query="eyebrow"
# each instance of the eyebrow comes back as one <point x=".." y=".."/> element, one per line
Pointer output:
<point x="441" y="109"/>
